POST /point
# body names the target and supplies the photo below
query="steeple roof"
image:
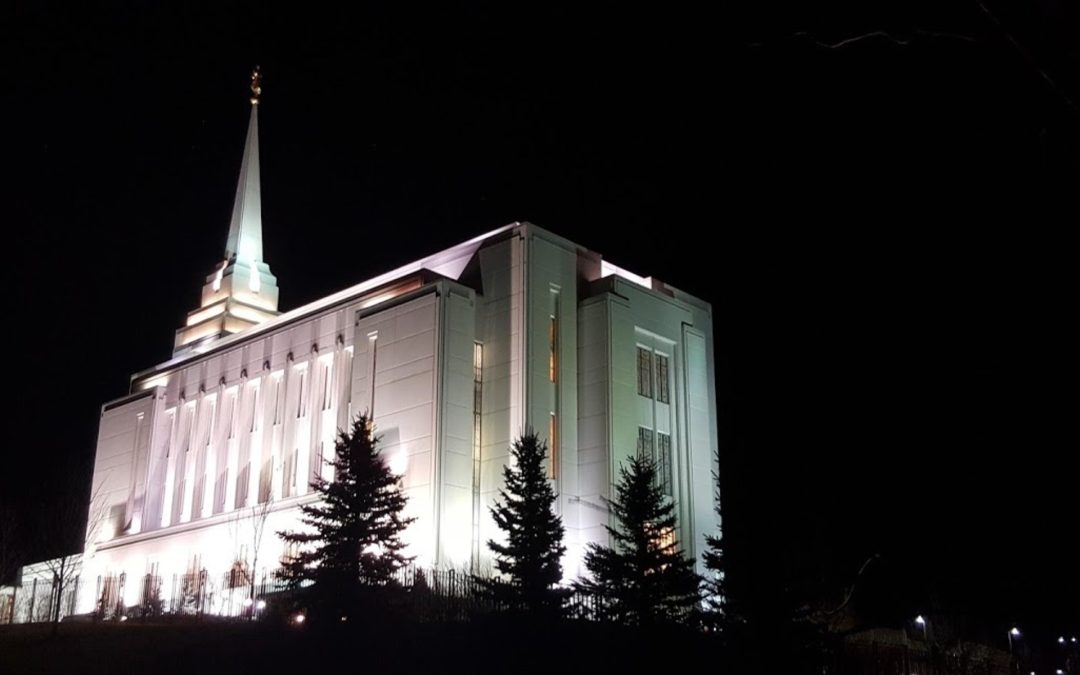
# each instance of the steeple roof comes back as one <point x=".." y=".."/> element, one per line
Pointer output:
<point x="245" y="229"/>
<point x="240" y="292"/>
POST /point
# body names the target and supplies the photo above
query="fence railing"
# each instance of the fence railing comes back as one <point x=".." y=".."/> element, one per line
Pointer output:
<point x="428" y="594"/>
<point x="39" y="601"/>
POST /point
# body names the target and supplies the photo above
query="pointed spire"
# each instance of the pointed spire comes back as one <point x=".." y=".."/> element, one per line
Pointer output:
<point x="245" y="229"/>
<point x="240" y="292"/>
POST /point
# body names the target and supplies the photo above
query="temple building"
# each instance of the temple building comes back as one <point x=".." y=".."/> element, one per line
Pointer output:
<point x="453" y="355"/>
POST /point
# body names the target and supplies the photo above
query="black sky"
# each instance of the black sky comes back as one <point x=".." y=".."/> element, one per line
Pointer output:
<point x="882" y="228"/>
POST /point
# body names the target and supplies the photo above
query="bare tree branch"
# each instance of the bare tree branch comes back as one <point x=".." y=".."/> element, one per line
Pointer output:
<point x="878" y="35"/>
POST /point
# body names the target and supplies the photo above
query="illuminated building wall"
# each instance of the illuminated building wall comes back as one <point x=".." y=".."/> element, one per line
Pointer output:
<point x="454" y="355"/>
<point x="204" y="438"/>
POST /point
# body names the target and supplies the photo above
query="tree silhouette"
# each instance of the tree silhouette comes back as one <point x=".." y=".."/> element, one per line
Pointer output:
<point x="353" y="538"/>
<point x="525" y="511"/>
<point x="644" y="578"/>
<point x="717" y="607"/>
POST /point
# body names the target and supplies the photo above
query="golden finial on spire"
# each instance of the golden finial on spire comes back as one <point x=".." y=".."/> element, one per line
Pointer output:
<point x="256" y="86"/>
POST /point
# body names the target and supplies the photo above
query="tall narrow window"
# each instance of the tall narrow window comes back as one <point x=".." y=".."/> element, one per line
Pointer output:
<point x="553" y="348"/>
<point x="645" y="444"/>
<point x="243" y="477"/>
<point x="289" y="474"/>
<point x="663" y="392"/>
<point x="277" y="377"/>
<point x="553" y="442"/>
<point x="644" y="372"/>
<point x="373" y="341"/>
<point x="478" y="400"/>
<point x="300" y="408"/>
<point x="219" y="491"/>
<point x="663" y="463"/>
<point x="232" y="413"/>
<point x="327" y="383"/>
<point x="254" y="426"/>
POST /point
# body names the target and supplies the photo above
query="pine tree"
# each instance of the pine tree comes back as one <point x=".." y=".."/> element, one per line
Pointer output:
<point x="353" y="536"/>
<point x="525" y="511"/>
<point x="717" y="604"/>
<point x="644" y="579"/>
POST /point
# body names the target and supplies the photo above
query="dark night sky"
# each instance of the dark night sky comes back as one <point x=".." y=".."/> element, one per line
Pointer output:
<point x="880" y="226"/>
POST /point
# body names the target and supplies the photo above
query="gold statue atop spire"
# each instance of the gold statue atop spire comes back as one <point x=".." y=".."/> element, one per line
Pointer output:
<point x="256" y="86"/>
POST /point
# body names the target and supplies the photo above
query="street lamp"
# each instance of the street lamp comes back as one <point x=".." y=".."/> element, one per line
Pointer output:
<point x="921" y="622"/>
<point x="1014" y="633"/>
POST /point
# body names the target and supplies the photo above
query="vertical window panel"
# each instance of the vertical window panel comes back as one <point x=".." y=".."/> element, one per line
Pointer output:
<point x="663" y="390"/>
<point x="645" y="372"/>
<point x="254" y="425"/>
<point x="664" y="467"/>
<point x="300" y="399"/>
<point x="327" y="394"/>
<point x="278" y="403"/>
<point x="645" y="449"/>
<point x="553" y="349"/>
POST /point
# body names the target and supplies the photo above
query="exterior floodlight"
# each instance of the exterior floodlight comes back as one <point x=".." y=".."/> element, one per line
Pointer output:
<point x="299" y="619"/>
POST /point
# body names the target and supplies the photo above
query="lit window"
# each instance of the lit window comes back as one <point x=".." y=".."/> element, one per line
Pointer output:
<point x="290" y="554"/>
<point x="645" y="444"/>
<point x="663" y="394"/>
<point x="644" y="376"/>
<point x="663" y="463"/>
<point x="553" y="346"/>
<point x="664" y="539"/>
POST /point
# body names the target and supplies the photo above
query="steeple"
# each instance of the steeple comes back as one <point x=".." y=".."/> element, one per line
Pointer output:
<point x="240" y="292"/>
<point x="245" y="229"/>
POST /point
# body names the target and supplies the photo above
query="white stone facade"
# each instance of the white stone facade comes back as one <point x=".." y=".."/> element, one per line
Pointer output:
<point x="518" y="328"/>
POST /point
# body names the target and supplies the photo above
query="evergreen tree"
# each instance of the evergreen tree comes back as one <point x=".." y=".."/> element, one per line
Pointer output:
<point x="644" y="578"/>
<point x="717" y="604"/>
<point x="525" y="511"/>
<point x="353" y="536"/>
